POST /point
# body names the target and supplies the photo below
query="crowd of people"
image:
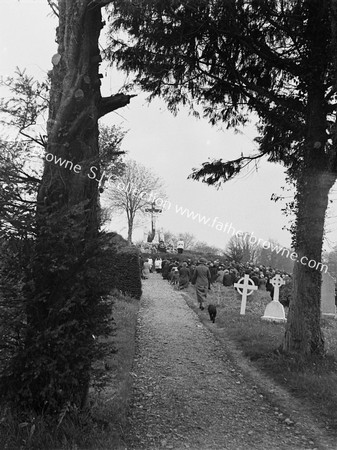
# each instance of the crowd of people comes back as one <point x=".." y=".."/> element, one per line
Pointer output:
<point x="183" y="273"/>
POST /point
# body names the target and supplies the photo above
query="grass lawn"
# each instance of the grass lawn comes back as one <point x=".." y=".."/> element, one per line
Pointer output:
<point x="313" y="382"/>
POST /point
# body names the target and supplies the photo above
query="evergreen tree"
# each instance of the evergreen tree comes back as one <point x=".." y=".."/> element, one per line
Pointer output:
<point x="63" y="293"/>
<point x="274" y="58"/>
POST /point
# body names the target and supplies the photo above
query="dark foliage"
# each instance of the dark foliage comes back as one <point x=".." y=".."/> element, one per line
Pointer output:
<point x="109" y="141"/>
<point x="228" y="59"/>
<point x="19" y="185"/>
<point x="59" y="352"/>
<point x="122" y="267"/>
<point x="128" y="270"/>
<point x="286" y="294"/>
<point x="54" y="301"/>
<point x="14" y="258"/>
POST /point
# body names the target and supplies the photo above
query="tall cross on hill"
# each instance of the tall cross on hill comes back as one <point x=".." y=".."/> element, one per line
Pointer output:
<point x="153" y="210"/>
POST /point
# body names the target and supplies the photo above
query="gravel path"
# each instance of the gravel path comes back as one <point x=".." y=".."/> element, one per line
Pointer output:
<point x="188" y="394"/>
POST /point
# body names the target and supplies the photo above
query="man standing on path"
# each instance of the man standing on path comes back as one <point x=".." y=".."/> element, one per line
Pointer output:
<point x="201" y="277"/>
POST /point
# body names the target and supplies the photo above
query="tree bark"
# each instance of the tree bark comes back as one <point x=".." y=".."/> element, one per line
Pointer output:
<point x="303" y="332"/>
<point x="130" y="230"/>
<point x="63" y="297"/>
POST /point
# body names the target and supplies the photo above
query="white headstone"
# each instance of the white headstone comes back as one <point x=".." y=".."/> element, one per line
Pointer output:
<point x="328" y="307"/>
<point x="274" y="311"/>
<point x="245" y="287"/>
<point x="277" y="282"/>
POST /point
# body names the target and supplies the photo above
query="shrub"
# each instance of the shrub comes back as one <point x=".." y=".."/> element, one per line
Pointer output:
<point x="12" y="310"/>
<point x="128" y="269"/>
<point x="49" y="326"/>
<point x="121" y="266"/>
<point x="48" y="346"/>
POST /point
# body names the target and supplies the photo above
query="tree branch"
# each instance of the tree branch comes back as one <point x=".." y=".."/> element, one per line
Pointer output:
<point x="99" y="3"/>
<point x="109" y="104"/>
<point x="29" y="178"/>
<point x="54" y="7"/>
<point x="215" y="172"/>
<point x="31" y="138"/>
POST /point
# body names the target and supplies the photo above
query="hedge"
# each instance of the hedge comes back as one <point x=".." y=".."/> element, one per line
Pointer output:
<point x="121" y="265"/>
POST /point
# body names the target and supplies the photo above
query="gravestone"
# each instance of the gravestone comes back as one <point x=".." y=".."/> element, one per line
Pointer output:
<point x="328" y="307"/>
<point x="274" y="311"/>
<point x="245" y="287"/>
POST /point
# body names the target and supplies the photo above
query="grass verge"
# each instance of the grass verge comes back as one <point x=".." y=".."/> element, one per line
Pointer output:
<point x="102" y="425"/>
<point x="313" y="382"/>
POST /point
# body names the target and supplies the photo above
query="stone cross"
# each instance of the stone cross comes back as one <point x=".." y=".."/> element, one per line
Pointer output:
<point x="274" y="311"/>
<point x="245" y="287"/>
<point x="277" y="282"/>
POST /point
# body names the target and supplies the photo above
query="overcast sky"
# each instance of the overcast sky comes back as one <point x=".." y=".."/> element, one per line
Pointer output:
<point x="170" y="146"/>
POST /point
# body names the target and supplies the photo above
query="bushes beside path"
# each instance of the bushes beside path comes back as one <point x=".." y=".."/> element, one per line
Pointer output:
<point x="100" y="425"/>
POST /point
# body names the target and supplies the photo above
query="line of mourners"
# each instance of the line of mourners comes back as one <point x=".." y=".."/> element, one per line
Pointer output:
<point x="182" y="273"/>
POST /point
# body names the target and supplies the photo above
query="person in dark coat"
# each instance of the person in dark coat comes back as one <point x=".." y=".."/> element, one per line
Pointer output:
<point x="192" y="269"/>
<point x="270" y="288"/>
<point x="220" y="274"/>
<point x="255" y="277"/>
<point x="262" y="283"/>
<point x="201" y="278"/>
<point x="227" y="279"/>
<point x="165" y="269"/>
<point x="171" y="266"/>
<point x="234" y="276"/>
<point x="214" y="273"/>
<point x="184" y="276"/>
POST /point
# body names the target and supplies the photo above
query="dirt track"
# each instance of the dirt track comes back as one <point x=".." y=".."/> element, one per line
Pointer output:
<point x="190" y="394"/>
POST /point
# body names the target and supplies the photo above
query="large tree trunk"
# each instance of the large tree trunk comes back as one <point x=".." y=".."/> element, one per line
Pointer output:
<point x="318" y="174"/>
<point x="63" y="298"/>
<point x="67" y="216"/>
<point x="303" y="332"/>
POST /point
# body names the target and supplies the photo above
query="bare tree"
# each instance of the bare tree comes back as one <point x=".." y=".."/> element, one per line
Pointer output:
<point x="189" y="240"/>
<point x="241" y="249"/>
<point x="134" y="191"/>
<point x="206" y="249"/>
<point x="277" y="256"/>
<point x="170" y="238"/>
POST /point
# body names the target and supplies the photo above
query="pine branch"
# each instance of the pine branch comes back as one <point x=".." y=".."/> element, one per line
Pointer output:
<point x="215" y="172"/>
